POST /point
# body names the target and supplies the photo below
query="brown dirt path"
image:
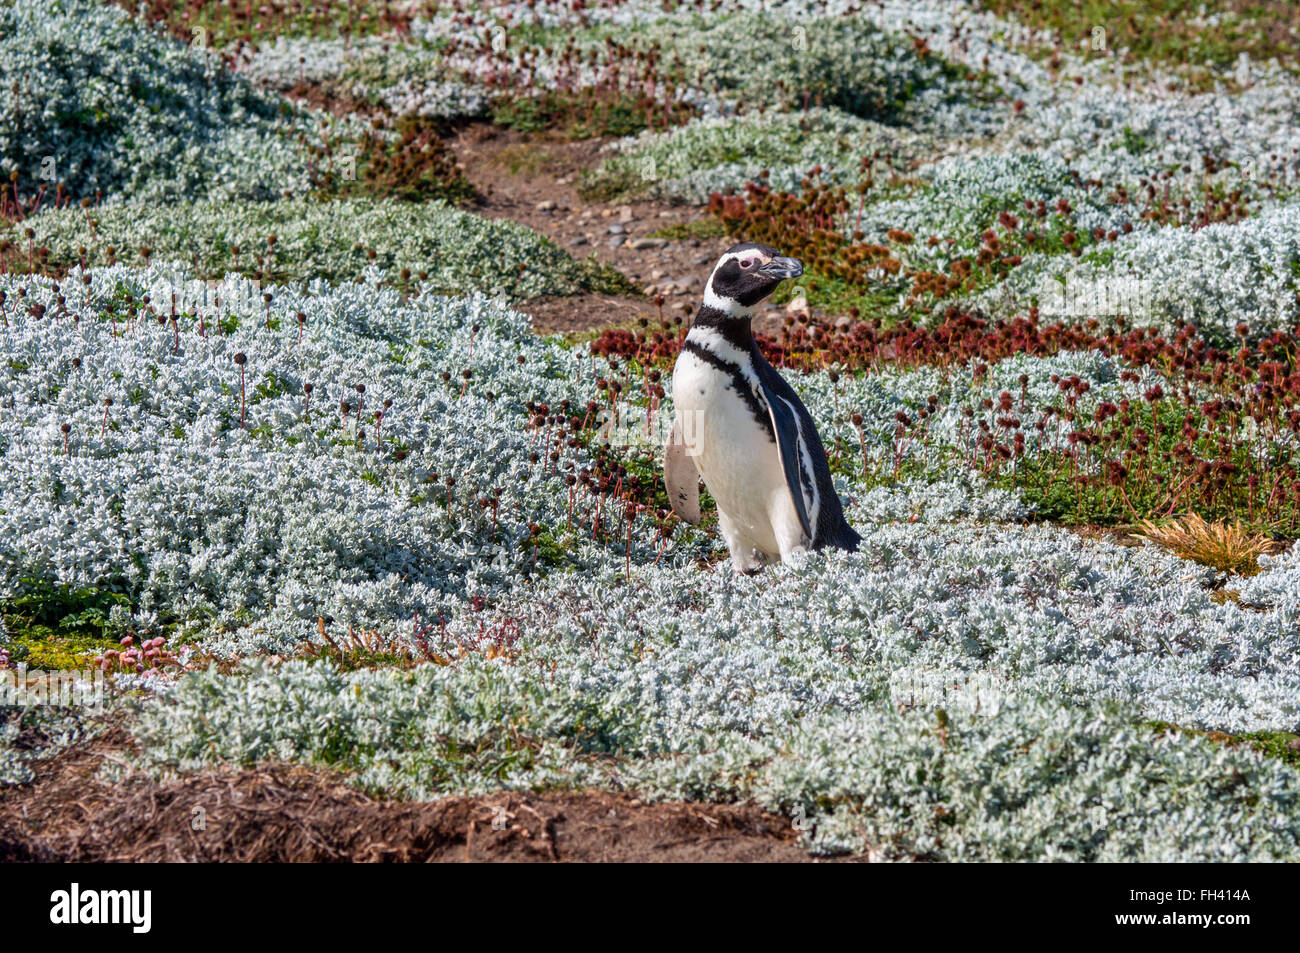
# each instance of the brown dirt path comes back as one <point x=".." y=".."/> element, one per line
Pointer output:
<point x="532" y="179"/>
<point x="288" y="812"/>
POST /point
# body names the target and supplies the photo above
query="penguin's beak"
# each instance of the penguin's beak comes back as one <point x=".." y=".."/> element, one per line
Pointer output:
<point x="780" y="268"/>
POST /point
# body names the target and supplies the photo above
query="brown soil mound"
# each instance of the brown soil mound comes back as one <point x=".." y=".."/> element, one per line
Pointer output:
<point x="294" y="813"/>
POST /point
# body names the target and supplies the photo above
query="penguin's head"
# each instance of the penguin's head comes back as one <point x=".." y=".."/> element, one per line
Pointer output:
<point x="745" y="275"/>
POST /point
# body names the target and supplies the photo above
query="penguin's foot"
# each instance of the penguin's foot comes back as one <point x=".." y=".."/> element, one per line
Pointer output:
<point x="746" y="560"/>
<point x="747" y="564"/>
<point x="796" y="556"/>
<point x="745" y="557"/>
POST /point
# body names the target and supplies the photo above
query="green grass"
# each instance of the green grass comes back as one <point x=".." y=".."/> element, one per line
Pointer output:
<point x="601" y="277"/>
<point x="1169" y="32"/>
<point x="417" y="166"/>
<point x="1282" y="745"/>
<point x="836" y="296"/>
<point x="703" y="229"/>
<point x="527" y="158"/>
<point x="332" y="240"/>
<point x="57" y="626"/>
<point x="611" y="186"/>
<point x="585" y="115"/>
<point x="1047" y="480"/>
<point x="551" y="546"/>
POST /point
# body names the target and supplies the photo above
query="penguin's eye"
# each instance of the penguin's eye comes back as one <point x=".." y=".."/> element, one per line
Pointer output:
<point x="747" y="263"/>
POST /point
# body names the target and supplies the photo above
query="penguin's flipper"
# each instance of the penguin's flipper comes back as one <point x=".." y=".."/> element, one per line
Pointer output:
<point x="800" y="475"/>
<point x="681" y="478"/>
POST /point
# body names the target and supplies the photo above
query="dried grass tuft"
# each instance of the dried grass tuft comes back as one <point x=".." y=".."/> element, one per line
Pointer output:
<point x="1229" y="548"/>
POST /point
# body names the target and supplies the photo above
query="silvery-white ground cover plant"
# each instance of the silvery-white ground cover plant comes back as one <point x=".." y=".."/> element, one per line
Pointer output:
<point x="292" y="467"/>
<point x="688" y="675"/>
<point x="444" y="248"/>
<point x="158" y="120"/>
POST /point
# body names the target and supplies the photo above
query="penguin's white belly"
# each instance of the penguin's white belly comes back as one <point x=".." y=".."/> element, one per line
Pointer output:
<point x="737" y="458"/>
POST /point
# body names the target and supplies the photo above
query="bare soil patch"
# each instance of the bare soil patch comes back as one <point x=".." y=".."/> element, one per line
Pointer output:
<point x="334" y="99"/>
<point x="287" y="812"/>
<point x="533" y="179"/>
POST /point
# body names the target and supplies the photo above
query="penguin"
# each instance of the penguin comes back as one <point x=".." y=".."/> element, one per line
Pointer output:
<point x="742" y="429"/>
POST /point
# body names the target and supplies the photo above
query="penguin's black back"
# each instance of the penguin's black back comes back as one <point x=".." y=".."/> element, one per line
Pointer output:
<point x="832" y="528"/>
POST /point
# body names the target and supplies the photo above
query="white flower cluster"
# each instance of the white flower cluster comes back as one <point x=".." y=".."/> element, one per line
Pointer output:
<point x="848" y="62"/>
<point x="947" y="435"/>
<point x="1119" y="133"/>
<point x="786" y="55"/>
<point x="289" y="60"/>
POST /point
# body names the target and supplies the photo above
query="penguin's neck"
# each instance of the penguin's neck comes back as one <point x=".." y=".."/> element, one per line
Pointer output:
<point x="725" y="317"/>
